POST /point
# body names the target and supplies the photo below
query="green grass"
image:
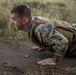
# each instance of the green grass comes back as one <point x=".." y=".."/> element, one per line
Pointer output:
<point x="42" y="1"/>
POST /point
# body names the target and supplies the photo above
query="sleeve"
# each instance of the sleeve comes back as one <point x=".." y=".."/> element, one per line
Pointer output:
<point x="49" y="36"/>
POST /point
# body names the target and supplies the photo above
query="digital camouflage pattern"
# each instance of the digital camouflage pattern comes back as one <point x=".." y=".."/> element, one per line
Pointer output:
<point x="48" y="37"/>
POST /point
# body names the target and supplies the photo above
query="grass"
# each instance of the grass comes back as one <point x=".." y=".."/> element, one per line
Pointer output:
<point x="58" y="9"/>
<point x="41" y="1"/>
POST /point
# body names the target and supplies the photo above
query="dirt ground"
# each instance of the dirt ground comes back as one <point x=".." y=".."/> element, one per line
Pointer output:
<point x="17" y="58"/>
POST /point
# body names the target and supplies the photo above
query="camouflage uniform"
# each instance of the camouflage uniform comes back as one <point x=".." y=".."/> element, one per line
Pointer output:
<point x="73" y="44"/>
<point x="47" y="36"/>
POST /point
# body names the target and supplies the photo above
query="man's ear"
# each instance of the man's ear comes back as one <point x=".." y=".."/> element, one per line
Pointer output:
<point x="24" y="20"/>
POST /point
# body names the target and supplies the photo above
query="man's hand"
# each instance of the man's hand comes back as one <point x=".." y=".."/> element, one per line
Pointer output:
<point x="37" y="48"/>
<point x="48" y="61"/>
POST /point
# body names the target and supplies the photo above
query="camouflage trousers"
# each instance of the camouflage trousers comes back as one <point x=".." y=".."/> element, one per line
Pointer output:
<point x="73" y="42"/>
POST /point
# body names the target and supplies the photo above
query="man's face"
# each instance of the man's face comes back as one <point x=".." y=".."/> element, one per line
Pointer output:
<point x="17" y="21"/>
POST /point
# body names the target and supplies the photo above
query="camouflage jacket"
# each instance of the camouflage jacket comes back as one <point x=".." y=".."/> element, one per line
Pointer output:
<point x="47" y="36"/>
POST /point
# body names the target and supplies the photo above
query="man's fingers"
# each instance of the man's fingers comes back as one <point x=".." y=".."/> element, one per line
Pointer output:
<point x="48" y="61"/>
<point x="45" y="63"/>
<point x="40" y="49"/>
<point x="35" y="48"/>
<point x="42" y="63"/>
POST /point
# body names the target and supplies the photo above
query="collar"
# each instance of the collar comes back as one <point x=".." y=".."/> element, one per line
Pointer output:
<point x="30" y="25"/>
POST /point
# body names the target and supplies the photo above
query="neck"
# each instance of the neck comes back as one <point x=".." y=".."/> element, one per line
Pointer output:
<point x="25" y="26"/>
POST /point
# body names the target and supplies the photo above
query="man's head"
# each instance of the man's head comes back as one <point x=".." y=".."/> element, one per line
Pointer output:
<point x="21" y="16"/>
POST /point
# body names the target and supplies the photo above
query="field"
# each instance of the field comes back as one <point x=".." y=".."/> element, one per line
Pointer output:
<point x="15" y="45"/>
<point x="58" y="9"/>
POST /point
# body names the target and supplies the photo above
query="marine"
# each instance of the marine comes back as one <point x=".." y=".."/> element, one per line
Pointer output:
<point x="48" y="34"/>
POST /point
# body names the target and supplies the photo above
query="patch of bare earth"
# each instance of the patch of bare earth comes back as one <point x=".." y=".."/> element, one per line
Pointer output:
<point x="17" y="58"/>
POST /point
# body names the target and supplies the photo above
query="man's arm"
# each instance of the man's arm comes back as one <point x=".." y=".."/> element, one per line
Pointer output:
<point x="60" y="47"/>
<point x="50" y="37"/>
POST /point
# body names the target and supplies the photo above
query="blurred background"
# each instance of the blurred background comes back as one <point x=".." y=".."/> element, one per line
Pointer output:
<point x="59" y="9"/>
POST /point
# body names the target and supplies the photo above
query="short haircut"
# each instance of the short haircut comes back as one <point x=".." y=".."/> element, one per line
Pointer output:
<point x="22" y="10"/>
